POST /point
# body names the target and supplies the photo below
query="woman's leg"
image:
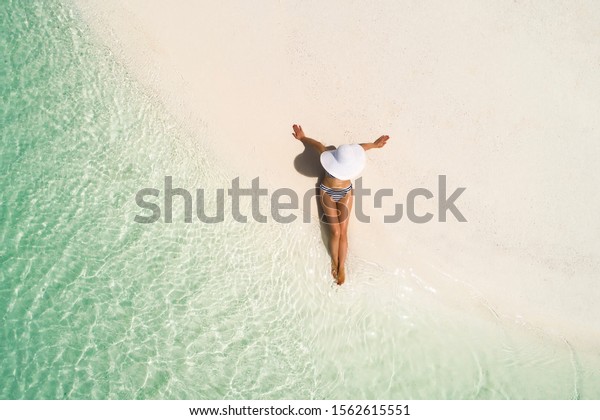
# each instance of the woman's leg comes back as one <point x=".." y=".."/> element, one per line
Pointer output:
<point x="331" y="215"/>
<point x="344" y="208"/>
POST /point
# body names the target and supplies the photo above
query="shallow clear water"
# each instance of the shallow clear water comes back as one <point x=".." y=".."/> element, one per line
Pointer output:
<point x="94" y="305"/>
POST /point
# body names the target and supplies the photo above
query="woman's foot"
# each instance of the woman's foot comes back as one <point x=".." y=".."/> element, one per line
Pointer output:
<point x="334" y="269"/>
<point x="298" y="132"/>
<point x="341" y="278"/>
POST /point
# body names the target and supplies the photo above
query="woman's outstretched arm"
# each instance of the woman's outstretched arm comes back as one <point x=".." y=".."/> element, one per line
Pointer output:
<point x="299" y="134"/>
<point x="379" y="143"/>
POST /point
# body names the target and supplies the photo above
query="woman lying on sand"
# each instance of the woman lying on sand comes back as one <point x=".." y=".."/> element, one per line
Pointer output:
<point x="341" y="165"/>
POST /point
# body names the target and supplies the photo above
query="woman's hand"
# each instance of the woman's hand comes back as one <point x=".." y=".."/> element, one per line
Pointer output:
<point x="377" y="144"/>
<point x="298" y="132"/>
<point x="381" y="141"/>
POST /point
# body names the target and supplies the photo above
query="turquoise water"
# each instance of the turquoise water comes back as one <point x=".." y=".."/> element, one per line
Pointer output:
<point x="94" y="305"/>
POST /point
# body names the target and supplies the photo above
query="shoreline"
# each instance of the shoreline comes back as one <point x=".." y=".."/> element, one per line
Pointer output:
<point x="208" y="87"/>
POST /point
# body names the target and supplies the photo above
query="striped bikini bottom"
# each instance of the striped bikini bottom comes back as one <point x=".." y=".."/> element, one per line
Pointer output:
<point x="336" y="195"/>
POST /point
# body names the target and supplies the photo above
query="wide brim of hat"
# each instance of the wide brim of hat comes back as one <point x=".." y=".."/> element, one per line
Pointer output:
<point x="348" y="170"/>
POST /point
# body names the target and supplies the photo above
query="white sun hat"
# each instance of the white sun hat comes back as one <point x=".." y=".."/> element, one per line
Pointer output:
<point x="346" y="162"/>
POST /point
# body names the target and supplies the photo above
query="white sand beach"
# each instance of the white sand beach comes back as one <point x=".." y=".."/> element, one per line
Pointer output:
<point x="501" y="98"/>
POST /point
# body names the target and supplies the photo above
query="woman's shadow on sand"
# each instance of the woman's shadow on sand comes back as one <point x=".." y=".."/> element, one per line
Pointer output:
<point x="308" y="163"/>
